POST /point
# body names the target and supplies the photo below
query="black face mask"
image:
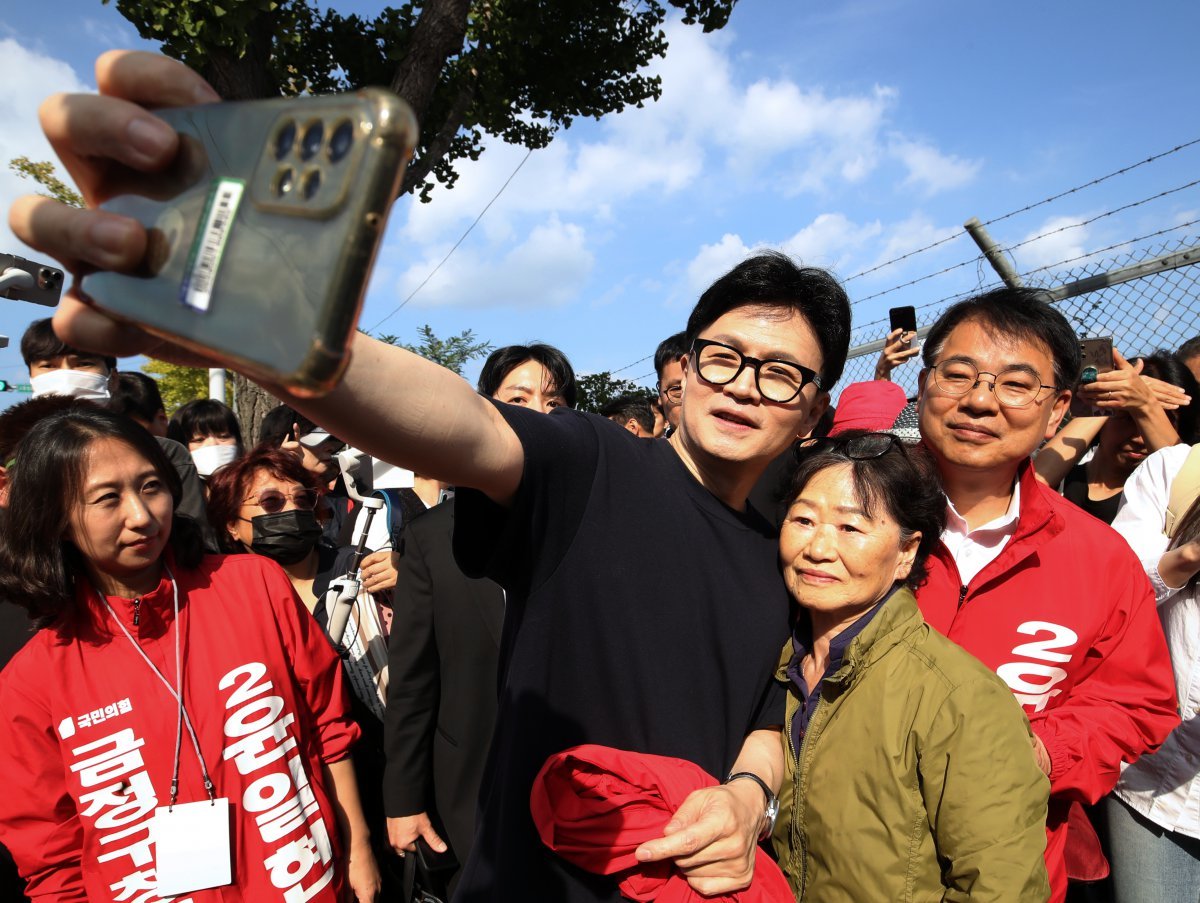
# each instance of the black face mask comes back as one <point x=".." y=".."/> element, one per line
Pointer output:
<point x="285" y="537"/>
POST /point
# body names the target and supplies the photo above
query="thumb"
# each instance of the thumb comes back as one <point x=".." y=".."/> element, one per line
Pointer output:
<point x="432" y="838"/>
<point x="687" y="814"/>
<point x="1122" y="364"/>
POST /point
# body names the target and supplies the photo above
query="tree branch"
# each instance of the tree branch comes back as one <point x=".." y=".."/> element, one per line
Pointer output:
<point x="438" y="35"/>
<point x="420" y="168"/>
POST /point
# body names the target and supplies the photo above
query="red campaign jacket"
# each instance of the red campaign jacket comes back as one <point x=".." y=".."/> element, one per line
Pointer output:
<point x="594" y="806"/>
<point x="88" y="733"/>
<point x="1065" y="616"/>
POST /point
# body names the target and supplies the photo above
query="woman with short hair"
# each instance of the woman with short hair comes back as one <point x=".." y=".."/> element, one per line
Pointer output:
<point x="910" y="772"/>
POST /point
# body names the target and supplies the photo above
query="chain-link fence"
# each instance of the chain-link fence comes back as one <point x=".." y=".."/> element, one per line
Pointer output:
<point x="1150" y="307"/>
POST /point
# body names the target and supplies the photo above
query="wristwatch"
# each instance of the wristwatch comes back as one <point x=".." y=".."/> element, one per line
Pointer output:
<point x="772" y="800"/>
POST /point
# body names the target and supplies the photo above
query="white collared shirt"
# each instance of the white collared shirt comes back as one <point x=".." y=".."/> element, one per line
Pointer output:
<point x="973" y="550"/>
<point x="1165" y="786"/>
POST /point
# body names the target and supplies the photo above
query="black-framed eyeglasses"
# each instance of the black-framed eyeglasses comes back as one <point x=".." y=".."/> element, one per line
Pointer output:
<point x="273" y="501"/>
<point x="778" y="381"/>
<point x="674" y="393"/>
<point x="862" y="447"/>
<point x="1016" y="387"/>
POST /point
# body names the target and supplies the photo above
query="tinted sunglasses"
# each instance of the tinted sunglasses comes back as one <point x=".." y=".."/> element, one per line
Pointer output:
<point x="273" y="501"/>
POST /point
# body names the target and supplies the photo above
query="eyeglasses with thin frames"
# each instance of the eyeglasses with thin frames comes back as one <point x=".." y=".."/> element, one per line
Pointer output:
<point x="1015" y="387"/>
<point x="674" y="393"/>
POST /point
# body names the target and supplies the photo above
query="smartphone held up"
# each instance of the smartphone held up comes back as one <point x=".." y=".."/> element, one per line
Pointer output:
<point x="263" y="231"/>
<point x="1096" y="357"/>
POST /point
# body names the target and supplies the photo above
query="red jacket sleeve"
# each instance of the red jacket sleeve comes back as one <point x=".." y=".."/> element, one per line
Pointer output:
<point x="1124" y="708"/>
<point x="38" y="820"/>
<point x="316" y="668"/>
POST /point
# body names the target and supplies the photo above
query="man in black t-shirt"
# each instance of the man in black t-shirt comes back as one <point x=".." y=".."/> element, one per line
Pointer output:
<point x="602" y="643"/>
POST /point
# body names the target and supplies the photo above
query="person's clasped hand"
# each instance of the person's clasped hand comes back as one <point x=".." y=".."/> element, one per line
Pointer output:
<point x="712" y="838"/>
<point x="379" y="572"/>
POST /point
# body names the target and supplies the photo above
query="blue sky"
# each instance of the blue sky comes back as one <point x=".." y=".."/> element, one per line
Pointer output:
<point x="846" y="133"/>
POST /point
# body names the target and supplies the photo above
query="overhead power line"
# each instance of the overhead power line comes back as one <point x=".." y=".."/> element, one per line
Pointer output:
<point x="634" y="364"/>
<point x="461" y="239"/>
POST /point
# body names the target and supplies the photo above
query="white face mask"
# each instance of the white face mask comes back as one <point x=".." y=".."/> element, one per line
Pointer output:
<point x="209" y="457"/>
<point x="75" y="383"/>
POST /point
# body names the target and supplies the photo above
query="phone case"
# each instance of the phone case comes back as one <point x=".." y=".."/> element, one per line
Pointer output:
<point x="1096" y="357"/>
<point x="263" y="232"/>
<point x="902" y="318"/>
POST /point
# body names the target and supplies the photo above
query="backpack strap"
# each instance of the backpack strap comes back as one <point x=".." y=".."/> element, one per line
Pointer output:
<point x="393" y="507"/>
<point x="1184" y="490"/>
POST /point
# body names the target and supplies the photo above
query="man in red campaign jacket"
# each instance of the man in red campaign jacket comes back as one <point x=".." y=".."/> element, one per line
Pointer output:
<point x="1049" y="597"/>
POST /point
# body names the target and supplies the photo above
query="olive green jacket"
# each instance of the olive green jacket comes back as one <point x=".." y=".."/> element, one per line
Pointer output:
<point x="916" y="778"/>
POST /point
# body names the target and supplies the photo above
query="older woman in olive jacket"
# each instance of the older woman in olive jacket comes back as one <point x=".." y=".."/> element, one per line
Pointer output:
<point x="910" y="773"/>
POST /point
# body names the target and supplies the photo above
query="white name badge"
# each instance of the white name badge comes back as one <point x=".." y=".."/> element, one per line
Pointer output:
<point x="191" y="847"/>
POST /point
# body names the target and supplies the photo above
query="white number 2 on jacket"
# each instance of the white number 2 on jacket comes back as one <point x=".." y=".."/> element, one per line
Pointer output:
<point x="1034" y="683"/>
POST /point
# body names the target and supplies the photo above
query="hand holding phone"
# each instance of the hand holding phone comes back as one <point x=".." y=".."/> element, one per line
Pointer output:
<point x="1096" y="358"/>
<point x="262" y="231"/>
<point x="898" y="345"/>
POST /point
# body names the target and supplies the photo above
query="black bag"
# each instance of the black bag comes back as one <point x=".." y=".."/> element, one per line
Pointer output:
<point x="427" y="873"/>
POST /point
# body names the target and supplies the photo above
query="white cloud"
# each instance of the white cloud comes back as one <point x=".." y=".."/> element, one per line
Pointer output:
<point x="549" y="268"/>
<point x="27" y="77"/>
<point x="929" y="169"/>
<point x="910" y="234"/>
<point x="1068" y="241"/>
<point x="713" y="261"/>
<point x="709" y="135"/>
<point x="830" y="240"/>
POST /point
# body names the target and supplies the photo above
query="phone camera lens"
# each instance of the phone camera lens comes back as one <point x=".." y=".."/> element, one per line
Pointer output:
<point x="284" y="181"/>
<point x="284" y="140"/>
<point x="311" y="184"/>
<point x="314" y="136"/>
<point x="340" y="141"/>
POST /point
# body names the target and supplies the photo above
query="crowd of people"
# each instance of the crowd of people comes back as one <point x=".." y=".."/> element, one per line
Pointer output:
<point x="729" y="643"/>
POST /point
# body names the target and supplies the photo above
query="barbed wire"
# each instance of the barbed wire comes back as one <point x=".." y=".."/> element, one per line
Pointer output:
<point x="1028" y="241"/>
<point x="1027" y="208"/>
<point x="1100" y="216"/>
<point x="997" y="219"/>
<point x="956" y="296"/>
<point x="1120" y="244"/>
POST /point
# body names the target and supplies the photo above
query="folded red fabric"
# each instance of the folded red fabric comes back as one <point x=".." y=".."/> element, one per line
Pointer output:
<point x="594" y="805"/>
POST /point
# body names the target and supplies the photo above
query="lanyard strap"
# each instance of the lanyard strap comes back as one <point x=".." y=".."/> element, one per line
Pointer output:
<point x="176" y="691"/>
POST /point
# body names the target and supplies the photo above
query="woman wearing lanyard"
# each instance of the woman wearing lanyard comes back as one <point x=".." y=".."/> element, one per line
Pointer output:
<point x="181" y="727"/>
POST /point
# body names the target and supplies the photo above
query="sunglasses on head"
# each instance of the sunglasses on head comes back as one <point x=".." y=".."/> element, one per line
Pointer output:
<point x="857" y="448"/>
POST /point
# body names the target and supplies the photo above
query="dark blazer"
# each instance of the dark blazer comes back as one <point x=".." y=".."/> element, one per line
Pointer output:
<point x="443" y="656"/>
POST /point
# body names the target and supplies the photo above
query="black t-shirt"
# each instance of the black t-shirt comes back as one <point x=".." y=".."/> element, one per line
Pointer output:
<point x="642" y="614"/>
